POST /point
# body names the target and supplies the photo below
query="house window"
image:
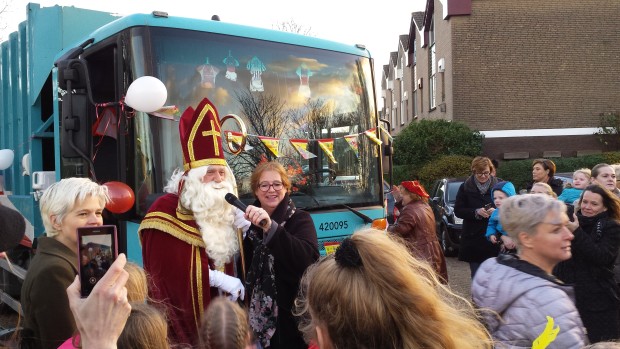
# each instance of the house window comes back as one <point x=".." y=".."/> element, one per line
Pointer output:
<point x="432" y="60"/>
<point x="394" y="111"/>
<point x="403" y="97"/>
<point x="414" y="106"/>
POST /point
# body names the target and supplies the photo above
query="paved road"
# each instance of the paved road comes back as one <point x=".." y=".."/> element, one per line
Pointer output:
<point x="458" y="277"/>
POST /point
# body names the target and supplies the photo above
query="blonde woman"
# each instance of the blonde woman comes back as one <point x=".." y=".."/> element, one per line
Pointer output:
<point x="517" y="292"/>
<point x="373" y="294"/>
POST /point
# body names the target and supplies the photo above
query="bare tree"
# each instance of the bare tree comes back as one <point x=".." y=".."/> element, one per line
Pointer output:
<point x="293" y="27"/>
<point x="265" y="115"/>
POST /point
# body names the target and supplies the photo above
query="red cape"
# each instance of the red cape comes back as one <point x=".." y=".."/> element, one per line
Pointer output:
<point x="175" y="259"/>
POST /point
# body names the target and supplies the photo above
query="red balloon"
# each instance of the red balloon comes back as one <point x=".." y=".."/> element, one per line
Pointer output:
<point x="121" y="195"/>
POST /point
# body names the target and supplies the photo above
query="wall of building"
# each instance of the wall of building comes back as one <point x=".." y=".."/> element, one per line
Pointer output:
<point x="524" y="65"/>
<point x="530" y="64"/>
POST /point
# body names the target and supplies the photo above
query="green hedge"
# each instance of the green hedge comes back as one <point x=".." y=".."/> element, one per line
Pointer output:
<point x="446" y="166"/>
<point x="519" y="172"/>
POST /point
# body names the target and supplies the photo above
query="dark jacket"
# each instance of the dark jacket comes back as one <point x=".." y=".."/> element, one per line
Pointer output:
<point x="474" y="246"/>
<point x="556" y="184"/>
<point x="48" y="320"/>
<point x="416" y="225"/>
<point x="590" y="270"/>
<point x="294" y="247"/>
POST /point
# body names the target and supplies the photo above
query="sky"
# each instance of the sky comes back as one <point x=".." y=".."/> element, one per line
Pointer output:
<point x="377" y="26"/>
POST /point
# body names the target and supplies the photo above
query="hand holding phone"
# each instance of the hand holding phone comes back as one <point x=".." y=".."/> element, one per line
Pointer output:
<point x="488" y="206"/>
<point x="97" y="250"/>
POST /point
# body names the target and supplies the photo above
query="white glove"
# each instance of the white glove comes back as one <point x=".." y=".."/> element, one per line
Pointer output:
<point x="227" y="283"/>
<point x="240" y="221"/>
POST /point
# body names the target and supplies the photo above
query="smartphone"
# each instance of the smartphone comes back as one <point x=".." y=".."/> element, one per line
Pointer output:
<point x="97" y="250"/>
<point x="488" y="206"/>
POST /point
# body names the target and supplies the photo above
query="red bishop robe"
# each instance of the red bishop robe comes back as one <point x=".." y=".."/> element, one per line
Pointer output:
<point x="175" y="259"/>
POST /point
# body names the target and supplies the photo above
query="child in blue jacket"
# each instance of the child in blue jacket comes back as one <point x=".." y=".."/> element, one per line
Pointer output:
<point x="499" y="192"/>
<point x="572" y="192"/>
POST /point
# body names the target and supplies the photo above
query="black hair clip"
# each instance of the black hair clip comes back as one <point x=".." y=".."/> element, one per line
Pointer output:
<point x="347" y="255"/>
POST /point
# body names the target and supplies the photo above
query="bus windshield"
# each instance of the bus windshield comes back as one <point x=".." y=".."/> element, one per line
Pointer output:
<point x="281" y="91"/>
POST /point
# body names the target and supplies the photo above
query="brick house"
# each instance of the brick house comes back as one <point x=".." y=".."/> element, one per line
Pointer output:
<point x="533" y="76"/>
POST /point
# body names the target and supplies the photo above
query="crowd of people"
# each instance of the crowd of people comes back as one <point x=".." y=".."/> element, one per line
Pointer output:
<point x="562" y="271"/>
<point x="215" y="276"/>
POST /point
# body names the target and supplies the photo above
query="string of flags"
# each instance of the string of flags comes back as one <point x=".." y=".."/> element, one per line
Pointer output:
<point x="301" y="145"/>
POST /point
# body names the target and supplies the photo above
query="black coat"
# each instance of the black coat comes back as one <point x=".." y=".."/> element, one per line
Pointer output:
<point x="590" y="270"/>
<point x="474" y="246"/>
<point x="294" y="247"/>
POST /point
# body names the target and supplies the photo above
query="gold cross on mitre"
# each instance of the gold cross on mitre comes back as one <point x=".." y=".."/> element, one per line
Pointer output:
<point x="213" y="133"/>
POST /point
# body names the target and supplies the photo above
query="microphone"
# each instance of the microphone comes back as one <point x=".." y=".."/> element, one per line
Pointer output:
<point x="233" y="200"/>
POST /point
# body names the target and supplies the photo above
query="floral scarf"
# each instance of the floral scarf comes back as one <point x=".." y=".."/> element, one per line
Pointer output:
<point x="263" y="308"/>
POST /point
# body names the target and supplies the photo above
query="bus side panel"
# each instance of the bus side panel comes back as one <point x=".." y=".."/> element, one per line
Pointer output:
<point x="134" y="249"/>
<point x="334" y="226"/>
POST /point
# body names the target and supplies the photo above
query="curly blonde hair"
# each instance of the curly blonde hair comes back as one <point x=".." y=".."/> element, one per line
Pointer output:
<point x="391" y="300"/>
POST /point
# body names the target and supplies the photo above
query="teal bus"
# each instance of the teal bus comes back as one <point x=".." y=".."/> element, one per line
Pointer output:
<point x="66" y="71"/>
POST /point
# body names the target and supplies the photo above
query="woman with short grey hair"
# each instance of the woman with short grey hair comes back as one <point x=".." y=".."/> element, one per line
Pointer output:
<point x="517" y="294"/>
<point x="65" y="206"/>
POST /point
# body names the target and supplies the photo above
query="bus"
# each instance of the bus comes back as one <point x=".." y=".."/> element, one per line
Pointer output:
<point x="306" y="102"/>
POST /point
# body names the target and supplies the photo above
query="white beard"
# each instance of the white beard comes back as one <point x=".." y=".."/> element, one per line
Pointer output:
<point x="214" y="217"/>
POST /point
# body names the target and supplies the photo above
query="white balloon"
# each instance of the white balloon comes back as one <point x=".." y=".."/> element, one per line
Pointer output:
<point x="146" y="94"/>
<point x="6" y="158"/>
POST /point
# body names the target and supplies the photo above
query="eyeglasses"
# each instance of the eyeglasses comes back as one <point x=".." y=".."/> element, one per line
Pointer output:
<point x="277" y="186"/>
<point x="483" y="174"/>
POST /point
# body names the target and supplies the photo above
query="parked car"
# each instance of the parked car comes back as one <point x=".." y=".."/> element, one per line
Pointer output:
<point x="449" y="226"/>
<point x="566" y="177"/>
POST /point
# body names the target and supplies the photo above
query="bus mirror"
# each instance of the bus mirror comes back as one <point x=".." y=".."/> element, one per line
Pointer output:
<point x="75" y="129"/>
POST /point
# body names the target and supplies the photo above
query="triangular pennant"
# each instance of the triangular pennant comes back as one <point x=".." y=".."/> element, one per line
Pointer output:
<point x="301" y="145"/>
<point x="373" y="136"/>
<point x="271" y="143"/>
<point x="352" y="140"/>
<point x="166" y="112"/>
<point x="327" y="144"/>
<point x="106" y="124"/>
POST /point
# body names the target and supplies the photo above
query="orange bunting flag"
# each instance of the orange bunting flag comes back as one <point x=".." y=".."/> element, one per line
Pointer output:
<point x="327" y="144"/>
<point x="301" y="145"/>
<point x="271" y="143"/>
<point x="352" y="140"/>
<point x="372" y="134"/>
